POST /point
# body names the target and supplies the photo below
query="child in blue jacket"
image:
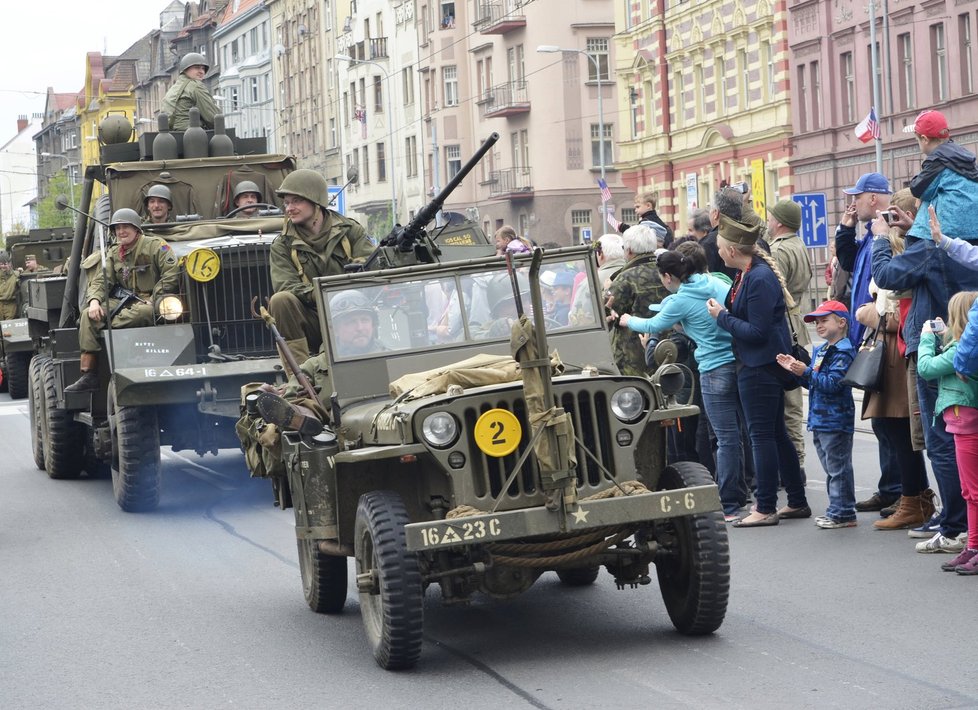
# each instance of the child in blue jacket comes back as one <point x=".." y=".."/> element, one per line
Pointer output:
<point x="831" y="411"/>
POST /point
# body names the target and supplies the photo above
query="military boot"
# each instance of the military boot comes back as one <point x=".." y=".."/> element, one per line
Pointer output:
<point x="88" y="381"/>
<point x="911" y="511"/>
<point x="300" y="351"/>
<point x="287" y="416"/>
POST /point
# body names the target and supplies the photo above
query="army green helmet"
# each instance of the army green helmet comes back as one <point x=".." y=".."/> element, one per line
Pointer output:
<point x="346" y="303"/>
<point x="307" y="184"/>
<point x="126" y="216"/>
<point x="4" y="257"/>
<point x="246" y="186"/>
<point x="161" y="191"/>
<point x="192" y="59"/>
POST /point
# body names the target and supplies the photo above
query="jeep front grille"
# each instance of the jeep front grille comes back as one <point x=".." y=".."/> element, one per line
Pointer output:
<point x="225" y="303"/>
<point x="589" y="412"/>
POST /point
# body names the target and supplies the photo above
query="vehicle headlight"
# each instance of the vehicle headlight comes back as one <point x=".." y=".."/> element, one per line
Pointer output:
<point x="171" y="308"/>
<point x="628" y="404"/>
<point x="439" y="429"/>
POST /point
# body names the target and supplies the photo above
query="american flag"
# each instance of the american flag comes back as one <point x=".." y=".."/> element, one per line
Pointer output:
<point x="360" y="115"/>
<point x="605" y="192"/>
<point x="612" y="222"/>
<point x="869" y="128"/>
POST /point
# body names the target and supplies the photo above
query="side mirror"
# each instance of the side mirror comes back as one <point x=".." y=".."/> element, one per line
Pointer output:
<point x="353" y="174"/>
<point x="61" y="202"/>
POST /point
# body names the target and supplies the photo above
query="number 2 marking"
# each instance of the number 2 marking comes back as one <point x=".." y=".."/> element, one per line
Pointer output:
<point x="497" y="438"/>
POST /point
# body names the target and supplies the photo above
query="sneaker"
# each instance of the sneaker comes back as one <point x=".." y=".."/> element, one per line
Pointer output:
<point x="971" y="566"/>
<point x="939" y="543"/>
<point x="827" y="523"/>
<point x="876" y="502"/>
<point x="928" y="529"/>
<point x="961" y="558"/>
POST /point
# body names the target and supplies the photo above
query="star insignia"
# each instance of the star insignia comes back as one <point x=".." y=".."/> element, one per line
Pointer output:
<point x="580" y="515"/>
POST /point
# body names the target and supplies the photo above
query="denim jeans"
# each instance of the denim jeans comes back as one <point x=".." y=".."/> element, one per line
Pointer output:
<point x="940" y="451"/>
<point x="835" y="452"/>
<point x="774" y="454"/>
<point x="889" y="453"/>
<point x="897" y="454"/>
<point x="722" y="405"/>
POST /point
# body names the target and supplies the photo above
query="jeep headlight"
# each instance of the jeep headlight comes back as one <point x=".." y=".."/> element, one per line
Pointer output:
<point x="628" y="404"/>
<point x="171" y="308"/>
<point x="439" y="429"/>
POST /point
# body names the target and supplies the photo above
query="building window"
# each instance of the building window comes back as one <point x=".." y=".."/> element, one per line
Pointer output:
<point x="580" y="219"/>
<point x="699" y="89"/>
<point x="596" y="145"/>
<point x="254" y="89"/>
<point x="381" y="163"/>
<point x="967" y="71"/>
<point x="450" y="77"/>
<point x="816" y="97"/>
<point x="938" y="48"/>
<point x="906" y="75"/>
<point x="353" y="160"/>
<point x="802" y="99"/>
<point x="597" y="47"/>
<point x="767" y="53"/>
<point x="745" y="78"/>
<point x="411" y="155"/>
<point x="407" y="79"/>
<point x="720" y="77"/>
<point x="365" y="173"/>
<point x="525" y="149"/>
<point x="378" y="94"/>
<point x="233" y="98"/>
<point x="332" y="133"/>
<point x="327" y="15"/>
<point x="628" y="215"/>
<point x="516" y="71"/>
<point x="346" y="108"/>
<point x="253" y="40"/>
<point x="447" y="14"/>
<point x="453" y="160"/>
<point x="848" y="88"/>
<point x="679" y="99"/>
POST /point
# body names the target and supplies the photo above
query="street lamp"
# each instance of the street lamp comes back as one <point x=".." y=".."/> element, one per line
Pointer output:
<point x="390" y="125"/>
<point x="68" y="164"/>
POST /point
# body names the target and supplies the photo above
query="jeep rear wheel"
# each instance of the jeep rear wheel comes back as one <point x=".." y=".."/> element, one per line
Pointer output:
<point x="63" y="443"/>
<point x="35" y="407"/>
<point x="17" y="366"/>
<point x="579" y="576"/>
<point x="324" y="578"/>
<point x="391" y="598"/>
<point x="693" y="563"/>
<point x="135" y="436"/>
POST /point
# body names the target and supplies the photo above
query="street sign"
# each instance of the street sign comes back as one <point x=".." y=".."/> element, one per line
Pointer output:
<point x="814" y="219"/>
<point x="337" y="199"/>
<point x="692" y="198"/>
<point x="585" y="235"/>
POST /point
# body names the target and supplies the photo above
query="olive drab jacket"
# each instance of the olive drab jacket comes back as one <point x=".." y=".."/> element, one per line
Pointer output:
<point x="184" y="95"/>
<point x="149" y="268"/>
<point x="8" y="294"/>
<point x="791" y="256"/>
<point x="636" y="287"/>
<point x="294" y="263"/>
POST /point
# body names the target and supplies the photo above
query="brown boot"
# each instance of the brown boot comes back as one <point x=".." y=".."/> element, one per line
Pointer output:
<point x="911" y="511"/>
<point x="287" y="416"/>
<point x="88" y="381"/>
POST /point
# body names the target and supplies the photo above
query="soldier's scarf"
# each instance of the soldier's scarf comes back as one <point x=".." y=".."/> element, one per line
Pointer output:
<point x="316" y="240"/>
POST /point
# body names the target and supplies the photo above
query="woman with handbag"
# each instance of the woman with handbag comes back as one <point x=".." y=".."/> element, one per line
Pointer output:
<point x="754" y="315"/>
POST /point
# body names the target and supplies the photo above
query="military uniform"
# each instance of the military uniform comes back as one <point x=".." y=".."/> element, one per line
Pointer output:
<point x="635" y="288"/>
<point x="184" y="95"/>
<point x="149" y="269"/>
<point x="8" y="294"/>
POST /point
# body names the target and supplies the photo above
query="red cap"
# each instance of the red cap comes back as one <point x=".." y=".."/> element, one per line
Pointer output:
<point x="930" y="124"/>
<point x="828" y="308"/>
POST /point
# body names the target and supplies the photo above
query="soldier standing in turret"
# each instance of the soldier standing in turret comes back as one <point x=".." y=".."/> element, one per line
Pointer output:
<point x="189" y="91"/>
<point x="315" y="241"/>
<point x="142" y="264"/>
<point x="8" y="288"/>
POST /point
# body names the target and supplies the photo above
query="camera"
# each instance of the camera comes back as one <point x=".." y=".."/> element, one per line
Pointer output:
<point x="936" y="325"/>
<point x="740" y="187"/>
<point x="887" y="216"/>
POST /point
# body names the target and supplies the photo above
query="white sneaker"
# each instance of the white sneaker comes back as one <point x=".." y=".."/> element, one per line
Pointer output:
<point x="939" y="543"/>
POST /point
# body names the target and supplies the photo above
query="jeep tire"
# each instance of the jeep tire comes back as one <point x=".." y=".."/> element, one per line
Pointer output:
<point x="63" y="444"/>
<point x="35" y="406"/>
<point x="324" y="578"/>
<point x="135" y="436"/>
<point x="393" y="611"/>
<point x="693" y="565"/>
<point x="579" y="576"/>
<point x="18" y="364"/>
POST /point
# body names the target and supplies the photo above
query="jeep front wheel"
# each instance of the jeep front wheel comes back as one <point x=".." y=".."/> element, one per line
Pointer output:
<point x="389" y="581"/>
<point x="324" y="578"/>
<point x="693" y="563"/>
<point x="135" y="434"/>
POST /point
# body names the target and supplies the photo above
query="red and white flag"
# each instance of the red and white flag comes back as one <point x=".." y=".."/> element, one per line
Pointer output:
<point x="869" y="128"/>
<point x="612" y="222"/>
<point x="605" y="192"/>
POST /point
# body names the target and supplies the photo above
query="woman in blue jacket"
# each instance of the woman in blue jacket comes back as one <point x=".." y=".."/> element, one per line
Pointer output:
<point x="754" y="315"/>
<point x="683" y="273"/>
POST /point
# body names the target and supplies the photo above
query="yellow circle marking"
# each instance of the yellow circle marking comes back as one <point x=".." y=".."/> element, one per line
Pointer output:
<point x="203" y="264"/>
<point x="498" y="433"/>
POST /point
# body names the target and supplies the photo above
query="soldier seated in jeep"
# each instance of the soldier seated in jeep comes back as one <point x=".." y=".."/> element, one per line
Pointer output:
<point x="140" y="270"/>
<point x="245" y="193"/>
<point x="158" y="204"/>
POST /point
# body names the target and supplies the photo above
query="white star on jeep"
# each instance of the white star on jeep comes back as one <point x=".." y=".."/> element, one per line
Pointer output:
<point x="580" y="515"/>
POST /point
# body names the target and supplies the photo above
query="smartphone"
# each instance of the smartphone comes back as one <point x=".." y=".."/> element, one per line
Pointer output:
<point x="887" y="216"/>
<point x="740" y="187"/>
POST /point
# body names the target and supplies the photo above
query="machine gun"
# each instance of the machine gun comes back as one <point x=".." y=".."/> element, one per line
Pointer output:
<point x="125" y="296"/>
<point x="405" y="246"/>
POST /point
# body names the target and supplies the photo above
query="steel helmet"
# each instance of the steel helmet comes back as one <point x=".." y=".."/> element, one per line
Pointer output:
<point x="307" y="184"/>
<point x="161" y="191"/>
<point x="499" y="291"/>
<point x="126" y="216"/>
<point x="4" y="257"/>
<point x="192" y="59"/>
<point x="346" y="303"/>
<point x="246" y="186"/>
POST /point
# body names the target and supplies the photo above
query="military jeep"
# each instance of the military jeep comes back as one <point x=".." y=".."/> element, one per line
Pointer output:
<point x="468" y="453"/>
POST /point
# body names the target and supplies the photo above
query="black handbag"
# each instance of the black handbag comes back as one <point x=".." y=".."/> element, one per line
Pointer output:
<point x="798" y="351"/>
<point x="866" y="370"/>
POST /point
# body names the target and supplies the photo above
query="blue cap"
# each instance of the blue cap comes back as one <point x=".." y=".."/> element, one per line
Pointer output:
<point x="870" y="182"/>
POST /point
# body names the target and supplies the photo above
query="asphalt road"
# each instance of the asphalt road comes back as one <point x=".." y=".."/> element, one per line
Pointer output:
<point x="199" y="605"/>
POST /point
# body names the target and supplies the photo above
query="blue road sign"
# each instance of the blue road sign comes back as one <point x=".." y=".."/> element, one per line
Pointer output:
<point x="586" y="235"/>
<point x="338" y="198"/>
<point x="814" y="219"/>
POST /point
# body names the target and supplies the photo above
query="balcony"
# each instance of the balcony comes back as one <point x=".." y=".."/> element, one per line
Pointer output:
<point x="511" y="184"/>
<point x="497" y="17"/>
<point x="377" y="48"/>
<point x="505" y="100"/>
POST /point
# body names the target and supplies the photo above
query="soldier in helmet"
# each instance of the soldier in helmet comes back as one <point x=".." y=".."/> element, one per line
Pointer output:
<point x="157" y="204"/>
<point x="8" y="288"/>
<point x="142" y="264"/>
<point x="246" y="193"/>
<point x="315" y="241"/>
<point x="31" y="266"/>
<point x="189" y="91"/>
